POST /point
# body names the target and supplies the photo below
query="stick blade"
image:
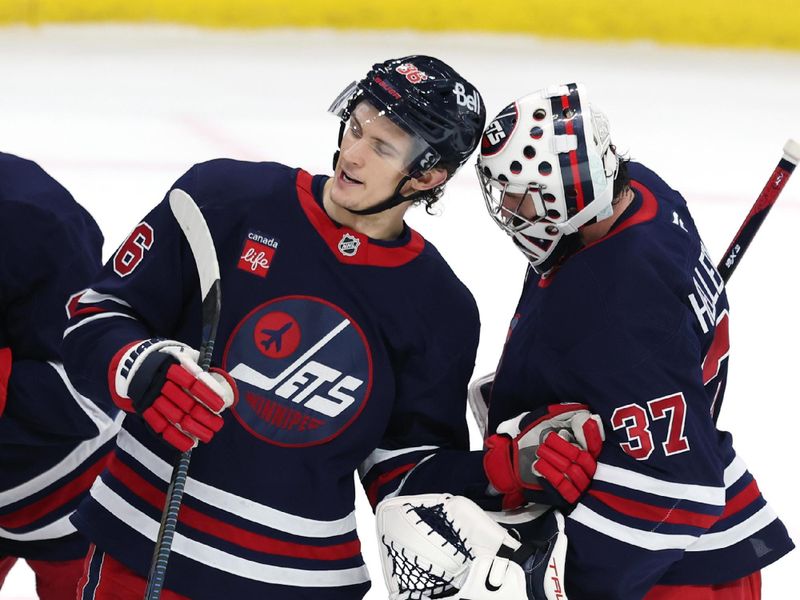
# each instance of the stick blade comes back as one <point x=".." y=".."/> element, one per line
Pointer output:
<point x="194" y="227"/>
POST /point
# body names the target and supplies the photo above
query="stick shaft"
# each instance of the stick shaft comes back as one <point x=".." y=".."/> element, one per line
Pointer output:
<point x="763" y="204"/>
<point x="194" y="227"/>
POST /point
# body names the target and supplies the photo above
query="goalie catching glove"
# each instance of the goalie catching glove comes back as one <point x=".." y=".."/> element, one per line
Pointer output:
<point x="548" y="456"/>
<point x="161" y="381"/>
<point x="442" y="546"/>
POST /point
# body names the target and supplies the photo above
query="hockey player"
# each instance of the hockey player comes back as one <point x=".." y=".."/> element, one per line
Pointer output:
<point x="622" y="308"/>
<point x="347" y="339"/>
<point x="53" y="441"/>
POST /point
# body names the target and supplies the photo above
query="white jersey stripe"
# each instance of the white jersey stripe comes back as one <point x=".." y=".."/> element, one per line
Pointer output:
<point x="57" y="529"/>
<point x="737" y="533"/>
<point x="68" y="464"/>
<point x="94" y="412"/>
<point x="380" y="455"/>
<point x="399" y="489"/>
<point x="95" y="317"/>
<point x="224" y="561"/>
<point x="734" y="471"/>
<point x="237" y="505"/>
<point x="636" y="537"/>
<point x="91" y="297"/>
<point x="705" y="494"/>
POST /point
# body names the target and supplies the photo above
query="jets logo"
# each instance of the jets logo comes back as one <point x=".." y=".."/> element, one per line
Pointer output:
<point x="277" y="334"/>
<point x="303" y="368"/>
<point x="499" y="131"/>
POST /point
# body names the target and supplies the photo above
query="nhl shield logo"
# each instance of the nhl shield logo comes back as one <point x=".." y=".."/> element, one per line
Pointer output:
<point x="349" y="244"/>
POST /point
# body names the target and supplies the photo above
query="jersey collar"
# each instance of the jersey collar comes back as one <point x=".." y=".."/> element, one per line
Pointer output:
<point x="644" y="208"/>
<point x="640" y="211"/>
<point x="347" y="245"/>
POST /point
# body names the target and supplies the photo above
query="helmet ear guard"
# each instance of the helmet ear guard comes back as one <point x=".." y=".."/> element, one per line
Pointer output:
<point x="554" y="143"/>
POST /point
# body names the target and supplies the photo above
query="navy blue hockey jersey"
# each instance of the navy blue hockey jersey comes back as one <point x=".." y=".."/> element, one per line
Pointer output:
<point x="349" y="354"/>
<point x="636" y="325"/>
<point x="53" y="440"/>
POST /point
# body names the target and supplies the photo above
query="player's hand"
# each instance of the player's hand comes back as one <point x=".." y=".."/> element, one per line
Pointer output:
<point x="547" y="456"/>
<point x="162" y="382"/>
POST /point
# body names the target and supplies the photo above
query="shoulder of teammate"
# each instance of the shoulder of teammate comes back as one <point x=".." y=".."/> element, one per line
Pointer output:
<point x="440" y="292"/>
<point x="235" y="184"/>
<point x="44" y="232"/>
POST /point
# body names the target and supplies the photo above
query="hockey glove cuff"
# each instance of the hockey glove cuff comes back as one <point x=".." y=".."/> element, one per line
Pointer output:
<point x="161" y="381"/>
<point x="547" y="456"/>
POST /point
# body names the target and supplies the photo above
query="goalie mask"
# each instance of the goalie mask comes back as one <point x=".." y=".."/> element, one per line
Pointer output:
<point x="547" y="168"/>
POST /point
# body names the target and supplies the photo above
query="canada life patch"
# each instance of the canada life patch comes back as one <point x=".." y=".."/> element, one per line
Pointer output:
<point x="257" y="253"/>
<point x="499" y="131"/>
<point x="304" y="371"/>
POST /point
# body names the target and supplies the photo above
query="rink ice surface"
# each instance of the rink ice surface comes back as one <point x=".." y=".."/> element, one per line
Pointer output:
<point x="117" y="113"/>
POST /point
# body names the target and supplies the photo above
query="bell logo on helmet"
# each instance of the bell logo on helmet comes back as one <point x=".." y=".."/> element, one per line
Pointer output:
<point x="471" y="101"/>
<point x="411" y="72"/>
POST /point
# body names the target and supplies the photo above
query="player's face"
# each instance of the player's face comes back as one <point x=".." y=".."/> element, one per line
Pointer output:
<point x="373" y="159"/>
<point x="518" y="205"/>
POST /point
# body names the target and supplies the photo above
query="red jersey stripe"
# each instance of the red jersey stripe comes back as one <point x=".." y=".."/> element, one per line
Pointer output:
<point x="42" y="507"/>
<point x="230" y="533"/>
<point x="741" y="500"/>
<point x="656" y="514"/>
<point x="381" y="480"/>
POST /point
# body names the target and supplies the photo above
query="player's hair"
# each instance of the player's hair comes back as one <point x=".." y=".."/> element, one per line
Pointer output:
<point x="622" y="182"/>
<point x="430" y="197"/>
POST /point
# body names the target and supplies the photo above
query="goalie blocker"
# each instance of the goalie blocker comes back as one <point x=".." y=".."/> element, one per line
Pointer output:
<point x="443" y="546"/>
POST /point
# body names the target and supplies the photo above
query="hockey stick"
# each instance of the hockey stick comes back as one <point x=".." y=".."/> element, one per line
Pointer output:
<point x="195" y="228"/>
<point x="741" y="241"/>
<point x="762" y="206"/>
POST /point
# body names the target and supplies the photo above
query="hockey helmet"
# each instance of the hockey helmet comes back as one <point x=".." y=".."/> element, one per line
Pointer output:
<point x="547" y="168"/>
<point x="441" y="111"/>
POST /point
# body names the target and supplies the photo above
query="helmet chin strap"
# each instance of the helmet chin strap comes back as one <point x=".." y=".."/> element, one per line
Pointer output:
<point x="395" y="199"/>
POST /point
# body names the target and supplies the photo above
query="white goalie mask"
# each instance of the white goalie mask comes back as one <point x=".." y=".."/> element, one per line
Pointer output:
<point x="547" y="168"/>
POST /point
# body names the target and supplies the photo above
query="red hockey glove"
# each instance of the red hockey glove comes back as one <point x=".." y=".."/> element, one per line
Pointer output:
<point x="548" y="456"/>
<point x="161" y="381"/>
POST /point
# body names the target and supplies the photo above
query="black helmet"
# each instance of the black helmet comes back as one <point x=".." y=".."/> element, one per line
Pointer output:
<point x="427" y="98"/>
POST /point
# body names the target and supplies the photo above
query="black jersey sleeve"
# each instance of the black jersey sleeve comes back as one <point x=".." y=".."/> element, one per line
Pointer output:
<point x="425" y="448"/>
<point x="145" y="289"/>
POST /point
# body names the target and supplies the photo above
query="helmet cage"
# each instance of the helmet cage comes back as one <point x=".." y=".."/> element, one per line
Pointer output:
<point x="535" y="236"/>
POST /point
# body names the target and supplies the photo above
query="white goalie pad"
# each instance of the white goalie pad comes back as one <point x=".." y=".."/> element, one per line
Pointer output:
<point x="442" y="546"/>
